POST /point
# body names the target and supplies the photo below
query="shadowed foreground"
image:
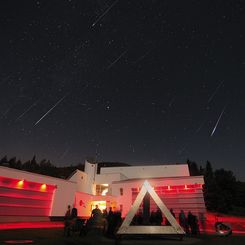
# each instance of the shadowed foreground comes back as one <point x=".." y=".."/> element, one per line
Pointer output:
<point x="55" y="236"/>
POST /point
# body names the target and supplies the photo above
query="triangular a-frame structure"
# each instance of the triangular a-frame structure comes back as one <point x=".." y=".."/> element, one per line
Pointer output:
<point x="174" y="227"/>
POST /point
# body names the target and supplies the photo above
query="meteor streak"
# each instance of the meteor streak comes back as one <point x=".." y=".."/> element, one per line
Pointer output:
<point x="59" y="101"/>
<point x="104" y="13"/>
<point x="28" y="109"/>
<point x="217" y="122"/>
<point x="214" y="93"/>
<point x="116" y="60"/>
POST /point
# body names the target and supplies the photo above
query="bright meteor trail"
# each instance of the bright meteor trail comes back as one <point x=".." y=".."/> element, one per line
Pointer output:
<point x="214" y="93"/>
<point x="217" y="122"/>
<point x="59" y="101"/>
<point x="28" y="109"/>
<point x="104" y="13"/>
<point x="116" y="60"/>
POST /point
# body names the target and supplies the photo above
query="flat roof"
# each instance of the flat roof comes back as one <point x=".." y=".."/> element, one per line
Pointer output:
<point x="35" y="174"/>
<point x="158" y="178"/>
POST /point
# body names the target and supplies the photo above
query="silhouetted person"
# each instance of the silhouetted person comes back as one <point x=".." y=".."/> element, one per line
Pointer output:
<point x="139" y="218"/>
<point x="114" y="223"/>
<point x="193" y="223"/>
<point x="159" y="217"/>
<point x="110" y="223"/>
<point x="74" y="213"/>
<point x="96" y="212"/>
<point x="172" y="212"/>
<point x="104" y="220"/>
<point x="110" y="214"/>
<point x="153" y="218"/>
<point x="182" y="220"/>
<point x="67" y="222"/>
<point x="117" y="220"/>
<point x="96" y="216"/>
<point x="104" y="213"/>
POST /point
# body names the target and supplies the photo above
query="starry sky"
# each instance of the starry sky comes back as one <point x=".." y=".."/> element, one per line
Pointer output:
<point x="141" y="82"/>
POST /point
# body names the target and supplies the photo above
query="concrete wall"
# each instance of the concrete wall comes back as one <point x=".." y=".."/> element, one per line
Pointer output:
<point x="91" y="170"/>
<point x="108" y="178"/>
<point x="64" y="194"/>
<point x="81" y="179"/>
<point x="86" y="180"/>
<point x="84" y="203"/>
<point x="189" y="201"/>
<point x="156" y="171"/>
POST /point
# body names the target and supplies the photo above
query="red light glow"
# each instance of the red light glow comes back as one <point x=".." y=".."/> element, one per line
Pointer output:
<point x="24" y="184"/>
<point x="169" y="188"/>
<point x="20" y="184"/>
<point x="18" y="241"/>
<point x="30" y="225"/>
<point x="25" y="198"/>
<point x="43" y="187"/>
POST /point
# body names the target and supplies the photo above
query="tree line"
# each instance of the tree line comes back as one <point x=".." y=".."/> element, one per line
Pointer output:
<point x="222" y="191"/>
<point x="45" y="167"/>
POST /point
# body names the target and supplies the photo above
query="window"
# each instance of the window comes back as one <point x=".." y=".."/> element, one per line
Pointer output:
<point x="101" y="189"/>
<point x="121" y="191"/>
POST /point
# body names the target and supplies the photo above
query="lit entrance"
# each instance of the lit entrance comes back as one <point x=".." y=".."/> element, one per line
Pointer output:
<point x="101" y="205"/>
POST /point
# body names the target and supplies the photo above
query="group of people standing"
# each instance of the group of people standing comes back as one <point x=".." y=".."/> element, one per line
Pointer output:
<point x="70" y="220"/>
<point x="188" y="222"/>
<point x="109" y="220"/>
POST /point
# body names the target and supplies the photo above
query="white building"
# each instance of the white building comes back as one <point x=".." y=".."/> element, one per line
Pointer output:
<point x="26" y="196"/>
<point x="29" y="196"/>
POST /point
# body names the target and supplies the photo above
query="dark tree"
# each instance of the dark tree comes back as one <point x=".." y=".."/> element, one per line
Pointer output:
<point x="12" y="162"/>
<point x="240" y="196"/>
<point x="208" y="171"/>
<point x="27" y="165"/>
<point x="19" y="164"/>
<point x="193" y="168"/>
<point x="210" y="188"/>
<point x="33" y="164"/>
<point x="226" y="190"/>
<point x="4" y="160"/>
<point x="201" y="170"/>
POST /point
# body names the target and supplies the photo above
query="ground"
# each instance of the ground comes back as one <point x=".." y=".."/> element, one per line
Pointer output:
<point x="55" y="237"/>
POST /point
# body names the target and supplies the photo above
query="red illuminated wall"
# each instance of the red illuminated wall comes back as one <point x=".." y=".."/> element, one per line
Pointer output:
<point x="180" y="197"/>
<point x="25" y="198"/>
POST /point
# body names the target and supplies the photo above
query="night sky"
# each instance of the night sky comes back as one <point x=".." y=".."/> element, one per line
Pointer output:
<point x="141" y="82"/>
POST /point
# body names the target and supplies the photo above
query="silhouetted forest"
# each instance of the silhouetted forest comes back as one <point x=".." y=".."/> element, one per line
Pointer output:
<point x="45" y="167"/>
<point x="222" y="191"/>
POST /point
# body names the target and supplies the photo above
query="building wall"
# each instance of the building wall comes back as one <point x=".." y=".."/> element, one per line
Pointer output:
<point x="91" y="170"/>
<point x="190" y="199"/>
<point x="80" y="189"/>
<point x="86" y="180"/>
<point x="84" y="203"/>
<point x="64" y="193"/>
<point x="134" y="172"/>
<point x="108" y="178"/>
<point x="81" y="180"/>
